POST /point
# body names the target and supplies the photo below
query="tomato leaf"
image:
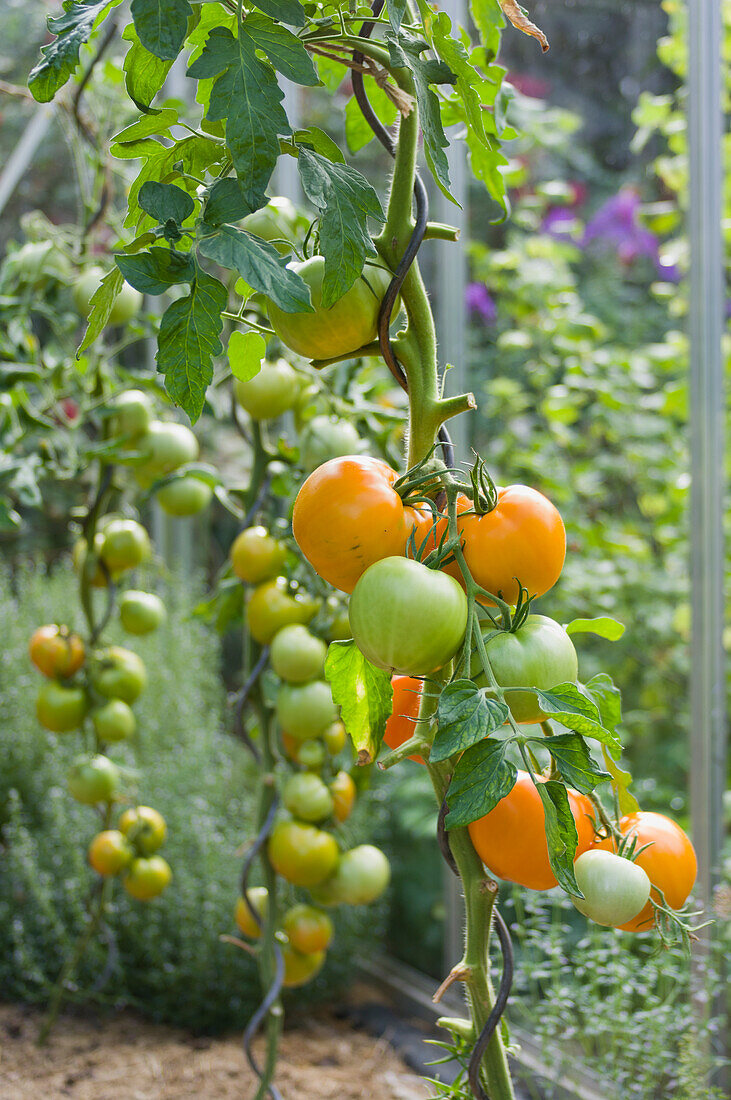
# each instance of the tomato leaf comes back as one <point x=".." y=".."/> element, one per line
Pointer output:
<point x="145" y="74"/>
<point x="603" y="693"/>
<point x="60" y="58"/>
<point x="247" y="97"/>
<point x="286" y="11"/>
<point x="364" y="695"/>
<point x="188" y="341"/>
<point x="285" y="51"/>
<point x="481" y="778"/>
<point x="569" y="706"/>
<point x="245" y="353"/>
<point x="260" y="265"/>
<point x="101" y="302"/>
<point x="603" y="627"/>
<point x="315" y="138"/>
<point x="162" y="25"/>
<point x="345" y="200"/>
<point x="165" y="202"/>
<point x="574" y="761"/>
<point x="155" y="271"/>
<point x="464" y="716"/>
<point x="357" y="131"/>
<point x="561" y="834"/>
<point x="226" y="202"/>
<point x="621" y="780"/>
<point x="396" y="10"/>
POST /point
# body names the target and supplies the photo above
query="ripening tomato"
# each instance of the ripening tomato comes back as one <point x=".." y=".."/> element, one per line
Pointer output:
<point x="258" y="897"/>
<point x="361" y="876"/>
<point x="406" y="617"/>
<point x="186" y="496"/>
<point x="271" y="392"/>
<point x="538" y="654"/>
<point x="141" y="612"/>
<point x="256" y="555"/>
<point x="305" y="710"/>
<point x="271" y="607"/>
<point x="335" y="737"/>
<point x="147" y="877"/>
<point x="110" y="852"/>
<point x="615" y="890"/>
<point x="348" y="515"/>
<point x="125" y="545"/>
<point x="326" y="437"/>
<point x="521" y="540"/>
<point x="165" y="447"/>
<point x="296" y="655"/>
<point x="115" y="721"/>
<point x="303" y="854"/>
<point x="307" y="798"/>
<point x="669" y="861"/>
<point x="132" y="413"/>
<point x="144" y="827"/>
<point x="119" y="674"/>
<point x="56" y="652"/>
<point x="339" y="329"/>
<point x="61" y="708"/>
<point x="93" y="779"/>
<point x="342" y="789"/>
<point x="511" y="839"/>
<point x="404" y="712"/>
<point x="308" y="929"/>
<point x="299" y="968"/>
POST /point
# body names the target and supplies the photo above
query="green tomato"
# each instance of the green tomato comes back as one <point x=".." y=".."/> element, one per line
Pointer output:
<point x="335" y="738"/>
<point x="125" y="545"/>
<point x="271" y="607"/>
<point x="119" y="674"/>
<point x="165" y="447"/>
<point x="132" y="413"/>
<point x="114" y="721"/>
<point x="615" y="889"/>
<point x="37" y="262"/>
<point x="275" y="222"/>
<point x="93" y="779"/>
<point x="186" y="496"/>
<point x="296" y="655"/>
<point x="302" y="854"/>
<point x="256" y="556"/>
<point x="271" y="392"/>
<point x="539" y="654"/>
<point x="305" y="711"/>
<point x="141" y="612"/>
<point x="326" y="437"/>
<point x="147" y="877"/>
<point x="307" y="798"/>
<point x="60" y="707"/>
<point x="361" y="876"/>
<point x="311" y="754"/>
<point x="406" y="617"/>
<point x="342" y="328"/>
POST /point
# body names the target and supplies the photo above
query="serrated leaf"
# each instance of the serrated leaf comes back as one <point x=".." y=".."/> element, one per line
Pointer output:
<point x="561" y="834"/>
<point x="406" y="52"/>
<point x="317" y="139"/>
<point x="357" y="131"/>
<point x="603" y="627"/>
<point x="226" y="202"/>
<point x="101" y="303"/>
<point x="165" y="202"/>
<point x="607" y="699"/>
<point x="574" y="761"/>
<point x="155" y="271"/>
<point x="260" y="265"/>
<point x="161" y="25"/>
<point x="486" y="160"/>
<point x="396" y="9"/>
<point x="364" y="695"/>
<point x="345" y="200"/>
<point x="246" y="95"/>
<point x="453" y="53"/>
<point x="60" y="58"/>
<point x="574" y="710"/>
<point x="464" y="716"/>
<point x="145" y="74"/>
<point x="621" y="780"/>
<point x="488" y="17"/>
<point x="482" y="777"/>
<point x="156" y="124"/>
<point x="188" y="341"/>
<point x="285" y="51"/>
<point x="245" y="353"/>
<point x="286" y="11"/>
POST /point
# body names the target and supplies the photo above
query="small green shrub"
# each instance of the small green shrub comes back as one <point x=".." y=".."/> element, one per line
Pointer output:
<point x="165" y="957"/>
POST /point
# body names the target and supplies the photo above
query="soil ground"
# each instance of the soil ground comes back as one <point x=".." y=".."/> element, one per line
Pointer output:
<point x="93" y="1057"/>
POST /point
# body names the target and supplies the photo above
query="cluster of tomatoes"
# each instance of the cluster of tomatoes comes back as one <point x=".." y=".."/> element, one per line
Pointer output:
<point x="316" y="793"/>
<point x="355" y="529"/>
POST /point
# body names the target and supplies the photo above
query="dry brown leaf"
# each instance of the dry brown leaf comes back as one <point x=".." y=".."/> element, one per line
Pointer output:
<point x="519" y="19"/>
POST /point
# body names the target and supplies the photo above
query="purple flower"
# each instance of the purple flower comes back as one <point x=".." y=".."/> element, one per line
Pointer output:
<point x="617" y="223"/>
<point x="559" y="222"/>
<point x="479" y="300"/>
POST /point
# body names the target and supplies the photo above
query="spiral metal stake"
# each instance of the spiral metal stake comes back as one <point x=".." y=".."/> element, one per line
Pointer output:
<point x="506" y="979"/>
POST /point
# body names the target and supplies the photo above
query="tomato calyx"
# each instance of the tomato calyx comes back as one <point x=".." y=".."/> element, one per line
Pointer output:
<point x="484" y="491"/>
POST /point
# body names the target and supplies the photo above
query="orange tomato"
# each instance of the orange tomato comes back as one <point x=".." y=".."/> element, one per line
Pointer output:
<point x="55" y="651"/>
<point x="342" y="789"/>
<point x="670" y="862"/>
<point x="348" y="515"/>
<point x="511" y="839"/>
<point x="523" y="537"/>
<point x="404" y="712"/>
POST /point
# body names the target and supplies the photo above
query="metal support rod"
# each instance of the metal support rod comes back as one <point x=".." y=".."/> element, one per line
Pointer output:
<point x="22" y="155"/>
<point x="708" y="719"/>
